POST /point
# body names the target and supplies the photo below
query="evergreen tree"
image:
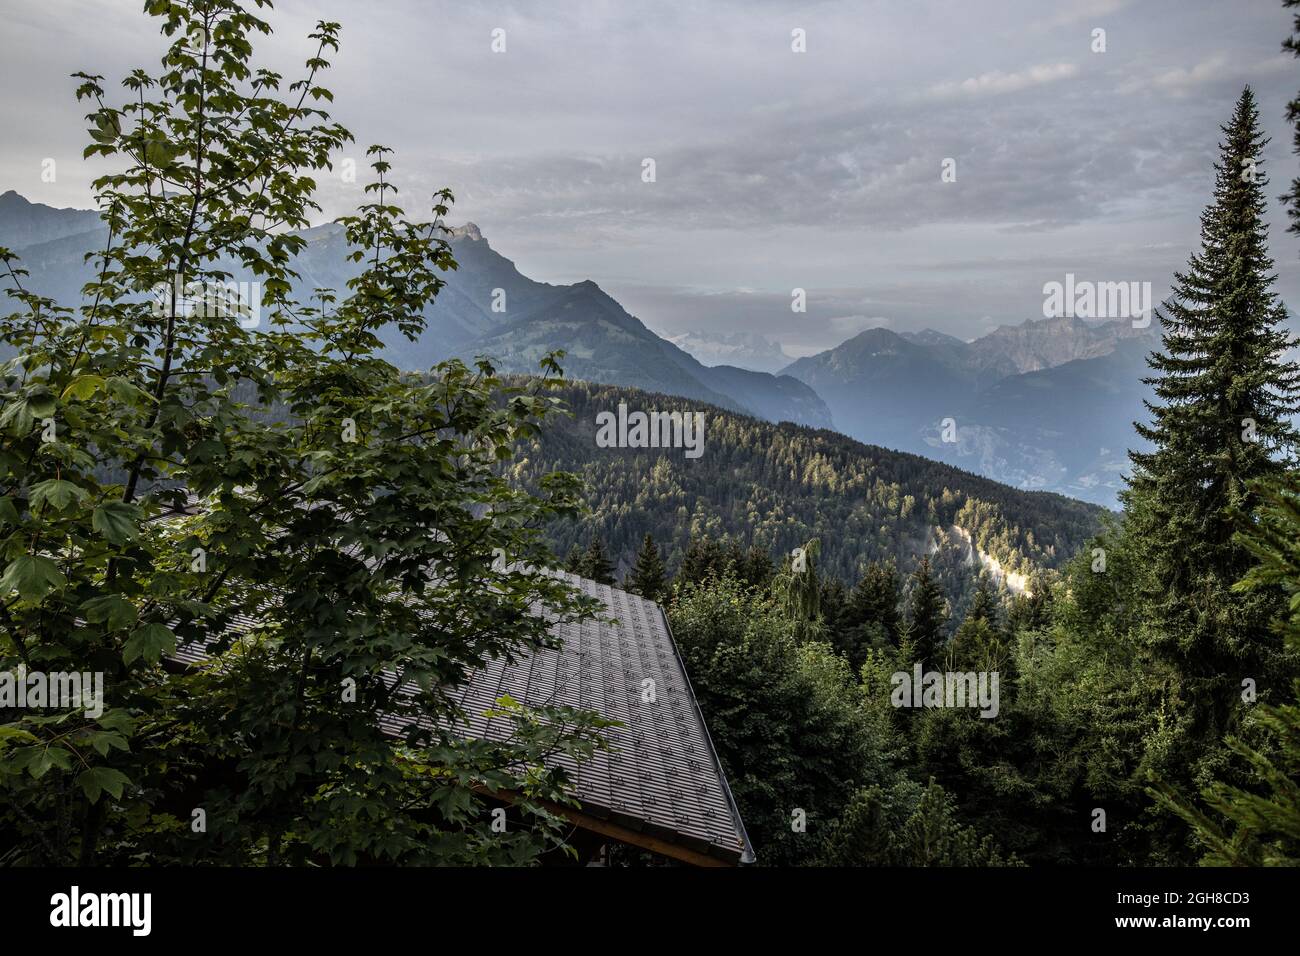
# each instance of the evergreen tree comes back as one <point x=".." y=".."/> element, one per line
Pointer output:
<point x="1224" y="394"/>
<point x="836" y="628"/>
<point x="1243" y="827"/>
<point x="875" y="599"/>
<point x="1292" y="45"/>
<point x="709" y="558"/>
<point x="1031" y="610"/>
<point x="985" y="605"/>
<point x="704" y="558"/>
<point x="1261" y="829"/>
<point x="834" y="603"/>
<point x="573" y="563"/>
<point x="595" y="564"/>
<point x="977" y="646"/>
<point x="927" y="615"/>
<point x="907" y="824"/>
<point x="648" y="578"/>
<point x="755" y="568"/>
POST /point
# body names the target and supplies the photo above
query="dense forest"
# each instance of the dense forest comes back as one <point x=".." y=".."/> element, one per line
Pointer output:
<point x="773" y="487"/>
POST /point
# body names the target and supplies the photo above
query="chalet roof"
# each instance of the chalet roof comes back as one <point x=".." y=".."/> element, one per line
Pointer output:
<point x="660" y="783"/>
<point x="661" y="775"/>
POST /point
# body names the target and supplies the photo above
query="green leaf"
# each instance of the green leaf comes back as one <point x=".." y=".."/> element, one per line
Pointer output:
<point x="107" y="128"/>
<point x="119" y="720"/>
<point x="125" y="392"/>
<point x="41" y="402"/>
<point x="83" y="386"/>
<point x="116" y="521"/>
<point x="104" y="740"/>
<point x="159" y="153"/>
<point x="111" y="609"/>
<point x="32" y="576"/>
<point x="149" y="643"/>
<point x="98" y="780"/>
<point x="18" y="417"/>
<point x="45" y="760"/>
<point x="56" y="493"/>
<point x="13" y="734"/>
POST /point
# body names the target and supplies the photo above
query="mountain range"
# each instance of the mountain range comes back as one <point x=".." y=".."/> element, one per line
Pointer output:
<point x="487" y="308"/>
<point x="1044" y="405"/>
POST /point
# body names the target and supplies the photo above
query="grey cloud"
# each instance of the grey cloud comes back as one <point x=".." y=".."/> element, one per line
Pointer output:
<point x="819" y="170"/>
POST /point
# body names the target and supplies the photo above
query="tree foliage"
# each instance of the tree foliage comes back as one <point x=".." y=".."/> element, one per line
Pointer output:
<point x="337" y="566"/>
<point x="648" y="577"/>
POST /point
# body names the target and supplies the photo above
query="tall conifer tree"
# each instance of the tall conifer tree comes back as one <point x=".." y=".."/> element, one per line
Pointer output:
<point x="648" y="578"/>
<point x="1220" y="429"/>
<point x="985" y="605"/>
<point x="1224" y="394"/>
<point x="1243" y="826"/>
<point x="596" y="565"/>
<point x="1292" y="45"/>
<point x="875" y="599"/>
<point x="927" y="615"/>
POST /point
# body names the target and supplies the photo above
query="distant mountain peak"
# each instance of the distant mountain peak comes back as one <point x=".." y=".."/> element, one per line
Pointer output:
<point x="928" y="336"/>
<point x="876" y="333"/>
<point x="468" y="231"/>
<point x="26" y="223"/>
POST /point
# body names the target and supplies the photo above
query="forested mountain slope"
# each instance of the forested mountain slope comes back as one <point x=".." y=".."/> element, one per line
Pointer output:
<point x="776" y="486"/>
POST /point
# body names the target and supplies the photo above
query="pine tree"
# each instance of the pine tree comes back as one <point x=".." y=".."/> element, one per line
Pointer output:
<point x="1250" y="828"/>
<point x="1224" y="394"/>
<point x="648" y="578"/>
<point x="1292" y="196"/>
<point x="843" y="636"/>
<point x="985" y="606"/>
<point x="978" y="642"/>
<point x="595" y="564"/>
<point x="573" y="563"/>
<point x="875" y="599"/>
<point x="755" y="568"/>
<point x="704" y="558"/>
<point x="834" y="603"/>
<point x="977" y="646"/>
<point x="927" y="615"/>
<point x="1260" y="829"/>
<point x="1031" y="610"/>
<point x="907" y="824"/>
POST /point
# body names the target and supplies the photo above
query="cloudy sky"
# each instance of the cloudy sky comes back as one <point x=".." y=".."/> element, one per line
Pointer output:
<point x="774" y="169"/>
